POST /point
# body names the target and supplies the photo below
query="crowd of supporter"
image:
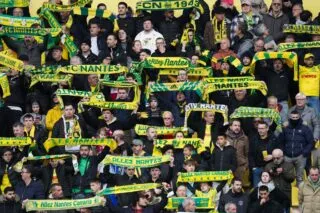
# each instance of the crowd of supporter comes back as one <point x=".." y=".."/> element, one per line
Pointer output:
<point x="272" y="167"/>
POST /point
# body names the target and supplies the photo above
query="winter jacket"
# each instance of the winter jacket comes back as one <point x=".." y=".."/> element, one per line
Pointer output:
<point x="297" y="140"/>
<point x="240" y="199"/>
<point x="309" y="196"/>
<point x="118" y="55"/>
<point x="268" y="207"/>
<point x="18" y="90"/>
<point x="170" y="29"/>
<point x="257" y="146"/>
<point x="91" y="59"/>
<point x="128" y="24"/>
<point x="10" y="206"/>
<point x="223" y="158"/>
<point x="283" y="180"/>
<point x="241" y="143"/>
<point x="53" y="115"/>
<point x="309" y="117"/>
<point x="208" y="38"/>
<point x="34" y="190"/>
<point x="275" y="24"/>
<point x="13" y="176"/>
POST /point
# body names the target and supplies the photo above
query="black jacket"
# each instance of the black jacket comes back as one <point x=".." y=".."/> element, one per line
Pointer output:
<point x="10" y="206"/>
<point x="268" y="207"/>
<point x="224" y="159"/>
<point x="91" y="59"/>
<point x="240" y="199"/>
<point x="13" y="176"/>
<point x="58" y="129"/>
<point x="296" y="140"/>
<point x="128" y="24"/>
<point x="257" y="146"/>
<point x="18" y="90"/>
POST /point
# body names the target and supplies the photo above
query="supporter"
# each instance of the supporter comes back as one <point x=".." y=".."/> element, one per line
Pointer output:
<point x="190" y="45"/>
<point x="154" y="113"/>
<point x="242" y="40"/>
<point x="170" y="26"/>
<point x="9" y="201"/>
<point x="8" y="175"/>
<point x="85" y="53"/>
<point x="265" y="203"/>
<point x="125" y="20"/>
<point x="188" y="205"/>
<point x="296" y="12"/>
<point x="282" y="172"/>
<point x="149" y="140"/>
<point x="105" y="24"/>
<point x="309" y="192"/>
<point x="261" y="149"/>
<point x="162" y="49"/>
<point x="275" y="20"/>
<point x="223" y="52"/>
<point x="235" y="195"/>
<point x="56" y="57"/>
<point x="230" y="208"/>
<point x="237" y="139"/>
<point x="135" y="50"/>
<point x="296" y="147"/>
<point x="148" y="36"/>
<point x="114" y="50"/>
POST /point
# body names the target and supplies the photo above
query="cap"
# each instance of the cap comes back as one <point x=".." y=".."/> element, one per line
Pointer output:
<point x="308" y="55"/>
<point x="137" y="142"/>
<point x="248" y="2"/>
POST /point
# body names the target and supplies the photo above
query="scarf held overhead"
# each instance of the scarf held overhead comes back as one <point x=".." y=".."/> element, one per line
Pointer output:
<point x="178" y="143"/>
<point x="136" y="162"/>
<point x="128" y="188"/>
<point x="92" y="69"/>
<point x="200" y="202"/>
<point x="161" y="130"/>
<point x="204" y="176"/>
<point x="65" y="8"/>
<point x="14" y="3"/>
<point x="295" y="28"/>
<point x="4" y="84"/>
<point x="167" y="5"/>
<point x="298" y="45"/>
<point x="15" y="21"/>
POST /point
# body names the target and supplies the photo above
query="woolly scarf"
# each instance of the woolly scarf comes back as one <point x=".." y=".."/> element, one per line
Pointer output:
<point x="219" y="30"/>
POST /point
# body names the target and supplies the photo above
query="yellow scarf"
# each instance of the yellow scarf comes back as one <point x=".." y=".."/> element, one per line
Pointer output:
<point x="74" y="130"/>
<point x="31" y="133"/>
<point x="219" y="30"/>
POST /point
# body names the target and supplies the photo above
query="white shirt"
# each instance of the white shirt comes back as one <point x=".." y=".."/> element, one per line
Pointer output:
<point x="94" y="45"/>
<point x="148" y="39"/>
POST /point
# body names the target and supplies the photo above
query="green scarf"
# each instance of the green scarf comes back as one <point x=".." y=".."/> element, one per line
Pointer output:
<point x="298" y="45"/>
<point x="295" y="28"/>
<point x="167" y="5"/>
<point x="65" y="8"/>
<point x="14" y="3"/>
<point x="29" y="31"/>
<point x="14" y="21"/>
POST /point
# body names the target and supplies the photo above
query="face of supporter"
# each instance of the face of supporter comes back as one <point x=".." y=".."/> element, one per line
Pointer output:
<point x="122" y="9"/>
<point x="169" y="152"/>
<point x="246" y="61"/>
<point x="122" y="94"/>
<point x="179" y="135"/>
<point x="246" y="8"/>
<point x="64" y="15"/>
<point x="277" y="159"/>
<point x="122" y="35"/>
<point x="160" y="43"/>
<point x="277" y="65"/>
<point x="18" y="131"/>
<point x="143" y="56"/>
<point x="256" y="122"/>
<point x="276" y="5"/>
<point x="151" y="134"/>
<point x="68" y="111"/>
<point x="155" y="173"/>
<point x="85" y="48"/>
<point x="296" y="11"/>
<point x="75" y="61"/>
<point x="309" y="61"/>
<point x="263" y="195"/>
<point x="136" y="149"/>
<point x="147" y="25"/>
<point x="167" y="120"/>
<point x="56" y="54"/>
<point x="111" y="41"/>
<point x="183" y="76"/>
<point x="194" y="59"/>
<point x="93" y="80"/>
<point x="314" y="175"/>
<point x="189" y="167"/>
<point x="28" y="39"/>
<point x="130" y="172"/>
<point x="187" y="152"/>
<point x="204" y="187"/>
<point x="84" y="151"/>
<point x="191" y="207"/>
<point x="95" y="187"/>
<point x="102" y="7"/>
<point x="232" y="209"/>
<point x="265" y="177"/>
<point x="224" y="45"/>
<point x="209" y="117"/>
<point x="94" y="29"/>
<point x="53" y="163"/>
<point x="169" y="14"/>
<point x="35" y="108"/>
<point x="289" y="40"/>
<point x="235" y="127"/>
<point x="17" y="12"/>
<point x="10" y="196"/>
<point x="25" y="175"/>
<point x="259" y="46"/>
<point x="237" y="186"/>
<point x="263" y="130"/>
<point x="154" y="104"/>
<point x="181" y="97"/>
<point x="240" y="94"/>
<point x="272" y="104"/>
<point x="220" y="16"/>
<point x="57" y="193"/>
<point x="137" y="46"/>
<point x="301" y="102"/>
<point x="28" y="122"/>
<point x="190" y="36"/>
<point x="181" y="191"/>
<point x="107" y="115"/>
<point x="221" y="141"/>
<point x="143" y="201"/>
<point x="7" y="156"/>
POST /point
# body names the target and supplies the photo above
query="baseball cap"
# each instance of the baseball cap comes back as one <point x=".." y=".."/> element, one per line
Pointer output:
<point x="308" y="55"/>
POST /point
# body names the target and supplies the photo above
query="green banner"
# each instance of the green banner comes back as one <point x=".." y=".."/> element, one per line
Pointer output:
<point x="200" y="202"/>
<point x="50" y="205"/>
<point x="14" y="3"/>
<point x="128" y="188"/>
<point x="167" y="5"/>
<point x="136" y="162"/>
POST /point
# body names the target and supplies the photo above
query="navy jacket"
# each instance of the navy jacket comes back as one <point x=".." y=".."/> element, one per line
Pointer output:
<point x="297" y="140"/>
<point x="34" y="190"/>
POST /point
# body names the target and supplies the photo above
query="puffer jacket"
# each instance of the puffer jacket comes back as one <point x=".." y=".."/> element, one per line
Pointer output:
<point x="170" y="29"/>
<point x="296" y="140"/>
<point x="309" y="197"/>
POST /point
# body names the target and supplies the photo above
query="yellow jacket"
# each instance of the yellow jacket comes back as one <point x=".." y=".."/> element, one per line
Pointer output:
<point x="309" y="80"/>
<point x="53" y="115"/>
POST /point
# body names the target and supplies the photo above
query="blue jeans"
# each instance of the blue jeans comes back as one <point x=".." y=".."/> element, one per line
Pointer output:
<point x="256" y="175"/>
<point x="314" y="102"/>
